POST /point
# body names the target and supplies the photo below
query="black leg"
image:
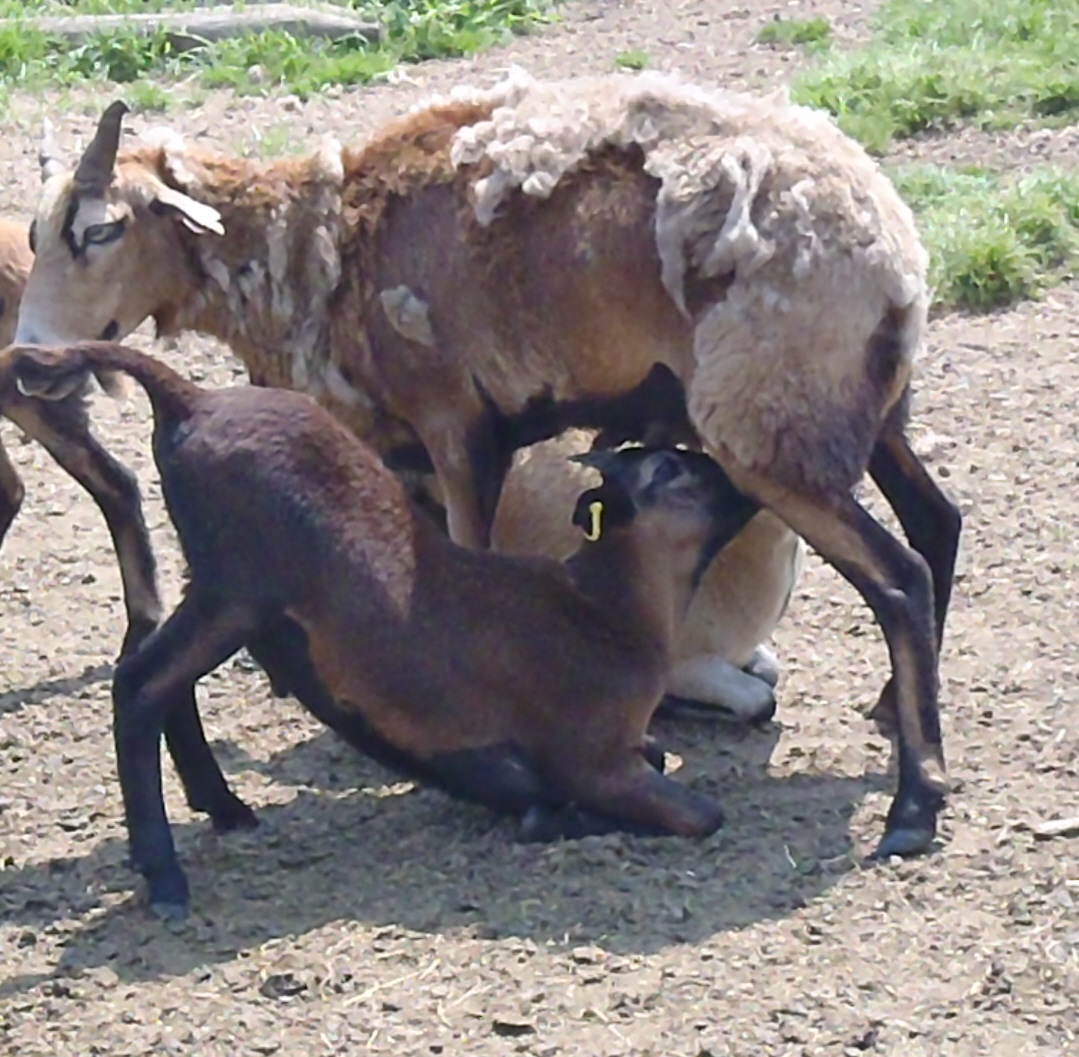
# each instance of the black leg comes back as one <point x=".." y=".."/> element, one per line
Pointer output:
<point x="204" y="784"/>
<point x="895" y="582"/>
<point x="193" y="641"/>
<point x="932" y="523"/>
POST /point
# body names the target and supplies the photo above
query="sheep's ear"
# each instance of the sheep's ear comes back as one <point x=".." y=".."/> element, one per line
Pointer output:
<point x="198" y="216"/>
<point x="600" y="509"/>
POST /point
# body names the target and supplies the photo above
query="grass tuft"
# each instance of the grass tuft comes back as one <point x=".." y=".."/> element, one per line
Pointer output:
<point x="935" y="64"/>
<point x="413" y="30"/>
<point x="795" y="31"/>
<point x="992" y="240"/>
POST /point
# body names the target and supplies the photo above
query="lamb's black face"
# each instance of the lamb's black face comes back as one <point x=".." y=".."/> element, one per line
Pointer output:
<point x="667" y="478"/>
<point x="688" y="489"/>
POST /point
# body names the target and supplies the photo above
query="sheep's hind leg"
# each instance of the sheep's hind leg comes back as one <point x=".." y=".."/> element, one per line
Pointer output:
<point x="932" y="523"/>
<point x="148" y="685"/>
<point x="637" y="799"/>
<point x="895" y="583"/>
<point x="204" y="785"/>
<point x="61" y="428"/>
<point x="11" y="492"/>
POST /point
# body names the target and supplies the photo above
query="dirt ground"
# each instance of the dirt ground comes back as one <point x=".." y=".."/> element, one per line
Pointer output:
<point x="367" y="916"/>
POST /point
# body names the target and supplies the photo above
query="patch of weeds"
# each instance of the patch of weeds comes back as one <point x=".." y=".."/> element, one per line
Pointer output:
<point x="935" y="64"/>
<point x="634" y="59"/>
<point x="147" y="97"/>
<point x="412" y="30"/>
<point x="795" y="31"/>
<point x="992" y="240"/>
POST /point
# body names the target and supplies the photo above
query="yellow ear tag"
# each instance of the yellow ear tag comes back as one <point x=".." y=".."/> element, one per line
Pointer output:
<point x="595" y="508"/>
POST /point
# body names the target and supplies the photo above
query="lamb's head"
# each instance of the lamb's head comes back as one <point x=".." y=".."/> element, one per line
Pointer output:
<point x="106" y="241"/>
<point x="680" y="500"/>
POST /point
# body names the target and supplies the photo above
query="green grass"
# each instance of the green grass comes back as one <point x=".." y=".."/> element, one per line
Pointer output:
<point x="634" y="59"/>
<point x="413" y="30"/>
<point x="993" y="240"/>
<point x="935" y="64"/>
<point x="795" y="31"/>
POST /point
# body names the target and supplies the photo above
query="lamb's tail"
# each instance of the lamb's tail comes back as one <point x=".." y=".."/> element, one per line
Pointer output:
<point x="61" y="371"/>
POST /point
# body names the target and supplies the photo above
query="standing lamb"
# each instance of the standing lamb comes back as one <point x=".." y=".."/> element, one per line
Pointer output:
<point x="502" y="264"/>
<point x="522" y="683"/>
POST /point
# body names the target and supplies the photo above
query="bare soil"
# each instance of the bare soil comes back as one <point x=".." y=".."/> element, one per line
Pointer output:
<point x="368" y="916"/>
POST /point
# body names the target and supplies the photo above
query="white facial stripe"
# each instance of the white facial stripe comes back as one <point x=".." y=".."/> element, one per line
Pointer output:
<point x="91" y="211"/>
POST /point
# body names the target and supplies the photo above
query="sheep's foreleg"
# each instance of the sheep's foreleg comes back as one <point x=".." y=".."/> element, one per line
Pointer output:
<point x="895" y="583"/>
<point x="148" y="685"/>
<point x="11" y="492"/>
<point x="471" y="466"/>
<point x="62" y="429"/>
<point x="932" y="523"/>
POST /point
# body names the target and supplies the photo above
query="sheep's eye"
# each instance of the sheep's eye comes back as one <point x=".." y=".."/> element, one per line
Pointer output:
<point x="32" y="235"/>
<point x="99" y="234"/>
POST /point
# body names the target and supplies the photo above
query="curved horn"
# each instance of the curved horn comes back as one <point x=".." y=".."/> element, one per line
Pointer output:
<point x="94" y="170"/>
<point x="46" y="155"/>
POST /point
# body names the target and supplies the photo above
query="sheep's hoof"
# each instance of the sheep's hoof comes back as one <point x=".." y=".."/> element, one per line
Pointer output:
<point x="764" y="665"/>
<point x="169" y="897"/>
<point x="169" y="911"/>
<point x="674" y="707"/>
<point x="241" y="817"/>
<point x="905" y="841"/>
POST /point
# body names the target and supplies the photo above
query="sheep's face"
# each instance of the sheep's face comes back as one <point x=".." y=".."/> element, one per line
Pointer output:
<point x="681" y="500"/>
<point x="107" y="249"/>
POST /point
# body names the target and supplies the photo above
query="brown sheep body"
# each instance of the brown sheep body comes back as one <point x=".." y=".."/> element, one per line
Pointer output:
<point x="485" y="263"/>
<point x="523" y="683"/>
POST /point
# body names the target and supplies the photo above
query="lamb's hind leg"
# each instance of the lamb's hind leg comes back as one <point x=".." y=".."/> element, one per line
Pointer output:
<point x="204" y="785"/>
<point x="634" y="798"/>
<point x="895" y="583"/>
<point x="148" y="686"/>
<point x="932" y="523"/>
<point x="62" y="429"/>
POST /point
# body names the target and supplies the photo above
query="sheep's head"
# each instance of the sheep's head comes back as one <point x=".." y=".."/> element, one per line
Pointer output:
<point x="683" y="497"/>
<point x="106" y="246"/>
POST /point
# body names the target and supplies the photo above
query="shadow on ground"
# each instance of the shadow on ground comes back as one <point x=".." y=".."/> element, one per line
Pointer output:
<point x="353" y="847"/>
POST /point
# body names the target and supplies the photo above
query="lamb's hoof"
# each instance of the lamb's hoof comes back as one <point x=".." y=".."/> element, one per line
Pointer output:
<point x="541" y="825"/>
<point x="170" y="912"/>
<point x="905" y="841"/>
<point x="235" y="816"/>
<point x="168" y="895"/>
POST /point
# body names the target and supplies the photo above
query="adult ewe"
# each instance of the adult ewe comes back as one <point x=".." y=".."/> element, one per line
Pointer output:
<point x="500" y="264"/>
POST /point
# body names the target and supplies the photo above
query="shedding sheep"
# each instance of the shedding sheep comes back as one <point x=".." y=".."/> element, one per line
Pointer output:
<point x="523" y="683"/>
<point x="499" y="265"/>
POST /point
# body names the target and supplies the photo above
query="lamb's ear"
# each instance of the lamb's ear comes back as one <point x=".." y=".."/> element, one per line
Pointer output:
<point x="198" y="216"/>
